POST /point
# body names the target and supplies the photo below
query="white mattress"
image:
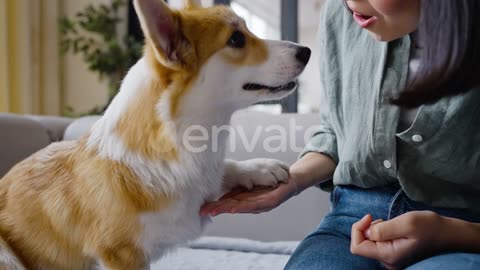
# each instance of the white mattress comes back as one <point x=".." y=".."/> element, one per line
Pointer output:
<point x="212" y="253"/>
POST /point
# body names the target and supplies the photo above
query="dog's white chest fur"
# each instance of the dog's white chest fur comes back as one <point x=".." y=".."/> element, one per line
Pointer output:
<point x="180" y="222"/>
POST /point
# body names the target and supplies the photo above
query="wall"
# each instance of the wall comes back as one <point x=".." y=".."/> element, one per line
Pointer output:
<point x="82" y="88"/>
<point x="309" y="94"/>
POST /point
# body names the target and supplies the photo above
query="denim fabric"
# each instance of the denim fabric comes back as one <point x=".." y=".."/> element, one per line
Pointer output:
<point x="328" y="247"/>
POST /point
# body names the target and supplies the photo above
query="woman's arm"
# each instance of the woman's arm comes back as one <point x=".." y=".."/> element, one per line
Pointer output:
<point x="312" y="169"/>
<point x="461" y="235"/>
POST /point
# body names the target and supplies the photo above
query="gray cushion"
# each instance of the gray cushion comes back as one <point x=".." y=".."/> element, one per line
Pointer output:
<point x="250" y="129"/>
<point x="55" y="125"/>
<point x="19" y="138"/>
<point x="79" y="127"/>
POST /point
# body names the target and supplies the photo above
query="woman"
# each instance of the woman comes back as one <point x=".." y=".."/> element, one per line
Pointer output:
<point x="413" y="169"/>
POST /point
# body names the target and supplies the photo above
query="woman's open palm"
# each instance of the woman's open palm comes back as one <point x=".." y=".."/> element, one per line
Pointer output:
<point x="257" y="200"/>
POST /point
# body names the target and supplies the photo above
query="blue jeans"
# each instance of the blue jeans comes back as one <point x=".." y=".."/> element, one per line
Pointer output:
<point x="328" y="247"/>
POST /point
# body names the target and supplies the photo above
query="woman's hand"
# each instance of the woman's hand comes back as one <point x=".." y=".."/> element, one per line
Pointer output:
<point x="403" y="240"/>
<point x="255" y="201"/>
<point x="310" y="170"/>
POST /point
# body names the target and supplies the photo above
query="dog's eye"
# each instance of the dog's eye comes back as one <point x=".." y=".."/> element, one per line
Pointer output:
<point x="237" y="40"/>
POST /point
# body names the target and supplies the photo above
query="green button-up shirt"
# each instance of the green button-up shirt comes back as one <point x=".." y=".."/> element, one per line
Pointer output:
<point x="436" y="160"/>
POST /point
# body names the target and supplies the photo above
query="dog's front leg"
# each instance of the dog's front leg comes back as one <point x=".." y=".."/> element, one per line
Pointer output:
<point x="254" y="172"/>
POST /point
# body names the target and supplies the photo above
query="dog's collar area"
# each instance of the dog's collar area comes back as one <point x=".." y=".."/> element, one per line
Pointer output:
<point x="256" y="87"/>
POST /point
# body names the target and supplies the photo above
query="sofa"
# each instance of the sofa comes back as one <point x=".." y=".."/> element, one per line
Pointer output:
<point x="262" y="241"/>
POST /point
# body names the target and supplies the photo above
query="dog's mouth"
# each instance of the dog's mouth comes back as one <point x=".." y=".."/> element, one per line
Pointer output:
<point x="255" y="87"/>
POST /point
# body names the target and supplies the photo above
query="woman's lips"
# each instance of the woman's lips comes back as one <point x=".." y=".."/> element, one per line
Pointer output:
<point x="363" y="20"/>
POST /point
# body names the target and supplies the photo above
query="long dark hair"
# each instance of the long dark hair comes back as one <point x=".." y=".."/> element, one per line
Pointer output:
<point x="449" y="32"/>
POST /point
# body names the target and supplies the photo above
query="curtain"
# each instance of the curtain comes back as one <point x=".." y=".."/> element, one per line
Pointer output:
<point x="30" y="63"/>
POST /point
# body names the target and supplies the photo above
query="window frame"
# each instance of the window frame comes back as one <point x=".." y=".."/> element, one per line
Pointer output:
<point x="289" y="31"/>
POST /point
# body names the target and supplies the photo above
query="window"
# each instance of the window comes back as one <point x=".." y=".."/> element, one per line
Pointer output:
<point x="259" y="26"/>
<point x="288" y="20"/>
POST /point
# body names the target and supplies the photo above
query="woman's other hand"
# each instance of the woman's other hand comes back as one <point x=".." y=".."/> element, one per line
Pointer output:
<point x="405" y="239"/>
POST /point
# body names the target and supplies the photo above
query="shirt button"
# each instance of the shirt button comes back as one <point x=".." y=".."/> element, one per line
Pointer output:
<point x="417" y="138"/>
<point x="387" y="164"/>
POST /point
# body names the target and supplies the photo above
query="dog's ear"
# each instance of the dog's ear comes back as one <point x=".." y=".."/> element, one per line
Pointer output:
<point x="192" y="4"/>
<point x="161" y="26"/>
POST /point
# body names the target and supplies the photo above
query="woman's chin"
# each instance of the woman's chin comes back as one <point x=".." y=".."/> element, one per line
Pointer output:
<point x="383" y="37"/>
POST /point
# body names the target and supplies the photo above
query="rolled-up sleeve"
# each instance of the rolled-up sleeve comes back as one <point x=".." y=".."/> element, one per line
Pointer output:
<point x="323" y="141"/>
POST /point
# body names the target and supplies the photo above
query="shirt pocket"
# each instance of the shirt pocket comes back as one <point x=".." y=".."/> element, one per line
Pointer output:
<point x="463" y="164"/>
<point x="443" y="141"/>
<point x="422" y="141"/>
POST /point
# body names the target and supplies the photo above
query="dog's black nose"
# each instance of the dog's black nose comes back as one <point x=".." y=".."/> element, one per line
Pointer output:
<point x="303" y="54"/>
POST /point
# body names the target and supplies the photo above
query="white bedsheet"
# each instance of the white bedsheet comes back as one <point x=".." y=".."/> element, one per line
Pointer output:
<point x="219" y="253"/>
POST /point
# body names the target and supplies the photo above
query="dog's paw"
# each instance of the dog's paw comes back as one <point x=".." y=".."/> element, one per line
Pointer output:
<point x="261" y="172"/>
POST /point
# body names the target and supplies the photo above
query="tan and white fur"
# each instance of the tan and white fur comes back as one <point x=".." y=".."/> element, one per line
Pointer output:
<point x="130" y="190"/>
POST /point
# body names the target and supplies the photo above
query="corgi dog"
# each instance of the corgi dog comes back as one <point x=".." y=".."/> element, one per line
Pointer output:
<point x="131" y="189"/>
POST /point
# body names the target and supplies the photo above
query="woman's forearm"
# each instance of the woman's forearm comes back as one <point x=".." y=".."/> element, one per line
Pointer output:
<point x="462" y="235"/>
<point x="312" y="169"/>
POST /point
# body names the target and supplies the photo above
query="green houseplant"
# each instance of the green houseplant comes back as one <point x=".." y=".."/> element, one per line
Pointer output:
<point x="93" y="34"/>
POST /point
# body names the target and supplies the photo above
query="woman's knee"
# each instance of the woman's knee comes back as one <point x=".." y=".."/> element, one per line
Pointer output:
<point x="464" y="261"/>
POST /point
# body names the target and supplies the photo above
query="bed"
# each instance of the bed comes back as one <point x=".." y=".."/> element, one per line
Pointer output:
<point x="220" y="253"/>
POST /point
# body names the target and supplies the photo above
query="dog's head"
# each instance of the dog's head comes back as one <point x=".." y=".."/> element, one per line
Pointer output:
<point x="210" y="58"/>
